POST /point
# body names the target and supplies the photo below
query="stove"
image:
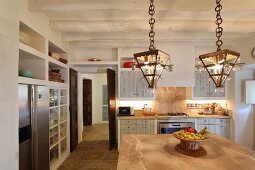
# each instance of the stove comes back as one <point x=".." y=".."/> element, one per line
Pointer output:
<point x="172" y="122"/>
<point x="177" y="114"/>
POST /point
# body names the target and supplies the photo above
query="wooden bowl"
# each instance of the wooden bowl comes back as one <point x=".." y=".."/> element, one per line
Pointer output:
<point x="190" y="147"/>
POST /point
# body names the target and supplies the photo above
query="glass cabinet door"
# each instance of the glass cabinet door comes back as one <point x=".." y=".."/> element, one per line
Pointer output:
<point x="58" y="112"/>
<point x="63" y="113"/>
<point x="63" y="96"/>
<point x="62" y="130"/>
<point x="54" y="154"/>
<point x="53" y="117"/>
<point x="54" y="97"/>
<point x="63" y="146"/>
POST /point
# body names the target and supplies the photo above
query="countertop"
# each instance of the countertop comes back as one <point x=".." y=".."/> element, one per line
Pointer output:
<point x="157" y="117"/>
<point x="150" y="152"/>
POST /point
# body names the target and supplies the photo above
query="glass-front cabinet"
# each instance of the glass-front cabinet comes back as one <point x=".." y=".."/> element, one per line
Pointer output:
<point x="57" y="123"/>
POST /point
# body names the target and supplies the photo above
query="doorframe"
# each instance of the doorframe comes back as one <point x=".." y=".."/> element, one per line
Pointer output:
<point x="90" y="101"/>
<point x="71" y="71"/>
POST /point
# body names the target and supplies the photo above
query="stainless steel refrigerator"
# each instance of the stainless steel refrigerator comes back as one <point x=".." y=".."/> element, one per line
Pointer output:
<point x="33" y="127"/>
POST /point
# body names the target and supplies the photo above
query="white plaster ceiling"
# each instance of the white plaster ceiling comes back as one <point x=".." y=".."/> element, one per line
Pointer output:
<point x="124" y="23"/>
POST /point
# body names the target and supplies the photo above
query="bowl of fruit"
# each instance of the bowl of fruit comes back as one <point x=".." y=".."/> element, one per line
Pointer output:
<point x="190" y="141"/>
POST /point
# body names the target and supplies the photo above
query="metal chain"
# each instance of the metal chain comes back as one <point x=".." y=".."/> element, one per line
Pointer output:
<point x="151" y="22"/>
<point x="218" y="21"/>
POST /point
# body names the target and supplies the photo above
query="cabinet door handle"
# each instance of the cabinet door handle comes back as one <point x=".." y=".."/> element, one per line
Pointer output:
<point x="176" y="124"/>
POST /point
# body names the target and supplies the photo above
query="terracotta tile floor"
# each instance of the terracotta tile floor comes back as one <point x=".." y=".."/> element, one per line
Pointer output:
<point x="96" y="132"/>
<point x="93" y="153"/>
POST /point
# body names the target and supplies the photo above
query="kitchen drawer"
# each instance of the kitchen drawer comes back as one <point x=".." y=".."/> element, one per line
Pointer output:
<point x="128" y="122"/>
<point x="205" y="121"/>
<point x="144" y="129"/>
<point x="128" y="129"/>
<point x="144" y="122"/>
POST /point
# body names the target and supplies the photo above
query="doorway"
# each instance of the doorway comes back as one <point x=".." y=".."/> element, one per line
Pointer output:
<point x="94" y="106"/>
<point x="103" y="107"/>
<point x="87" y="102"/>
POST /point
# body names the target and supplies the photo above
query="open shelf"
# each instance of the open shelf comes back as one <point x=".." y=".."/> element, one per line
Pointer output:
<point x="129" y="69"/>
<point x="31" y="38"/>
<point x="56" y="54"/>
<point x="31" y="50"/>
<point x="34" y="64"/>
<point x="95" y="63"/>
<point x="58" y="73"/>
<point x="26" y="80"/>
<point x="126" y="59"/>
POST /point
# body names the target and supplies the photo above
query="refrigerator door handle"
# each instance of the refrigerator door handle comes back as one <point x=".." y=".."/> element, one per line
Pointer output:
<point x="34" y="128"/>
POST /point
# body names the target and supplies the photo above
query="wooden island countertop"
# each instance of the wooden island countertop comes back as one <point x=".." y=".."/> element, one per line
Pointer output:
<point x="157" y="152"/>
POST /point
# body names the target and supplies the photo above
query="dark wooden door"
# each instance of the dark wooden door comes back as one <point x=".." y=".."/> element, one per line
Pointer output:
<point x="73" y="110"/>
<point x="111" y="107"/>
<point x="87" y="102"/>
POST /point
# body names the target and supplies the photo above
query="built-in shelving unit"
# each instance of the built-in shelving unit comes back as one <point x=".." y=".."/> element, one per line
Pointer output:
<point x="34" y="58"/>
<point x="35" y="61"/>
<point x="58" y="123"/>
<point x="32" y="61"/>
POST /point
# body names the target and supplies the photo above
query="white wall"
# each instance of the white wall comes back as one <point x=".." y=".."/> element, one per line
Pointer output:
<point x="98" y="80"/>
<point x="243" y="117"/>
<point x="183" y="59"/>
<point x="80" y="107"/>
<point x="9" y="111"/>
<point x="244" y="46"/>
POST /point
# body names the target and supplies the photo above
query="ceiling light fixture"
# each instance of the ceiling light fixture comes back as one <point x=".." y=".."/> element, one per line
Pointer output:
<point x="153" y="62"/>
<point x="219" y="64"/>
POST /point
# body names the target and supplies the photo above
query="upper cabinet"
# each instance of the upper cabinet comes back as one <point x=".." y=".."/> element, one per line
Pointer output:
<point x="132" y="85"/>
<point x="205" y="87"/>
<point x="40" y="60"/>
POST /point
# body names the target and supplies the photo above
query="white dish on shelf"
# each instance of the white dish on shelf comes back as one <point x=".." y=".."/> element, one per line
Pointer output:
<point x="24" y="37"/>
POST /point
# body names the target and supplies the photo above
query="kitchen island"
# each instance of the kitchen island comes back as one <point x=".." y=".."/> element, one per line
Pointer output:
<point x="150" y="152"/>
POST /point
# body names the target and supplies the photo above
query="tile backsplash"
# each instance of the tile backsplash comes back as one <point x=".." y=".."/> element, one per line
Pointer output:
<point x="169" y="100"/>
